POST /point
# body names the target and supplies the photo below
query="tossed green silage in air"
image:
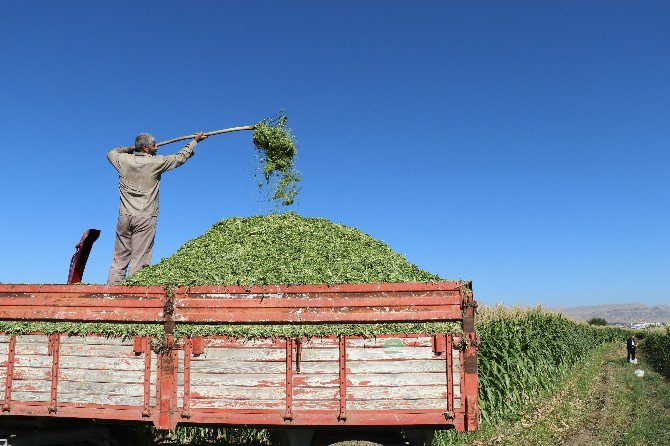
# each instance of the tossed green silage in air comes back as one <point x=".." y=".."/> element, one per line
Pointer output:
<point x="281" y="249"/>
<point x="277" y="149"/>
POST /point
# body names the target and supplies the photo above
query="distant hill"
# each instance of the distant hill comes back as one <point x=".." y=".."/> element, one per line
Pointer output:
<point x="623" y="313"/>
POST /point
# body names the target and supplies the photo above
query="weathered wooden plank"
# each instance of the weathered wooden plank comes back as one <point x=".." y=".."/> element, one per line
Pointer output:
<point x="4" y="339"/>
<point x="86" y="363"/>
<point x="242" y="354"/>
<point x="82" y="313"/>
<point x="31" y="396"/>
<point x="383" y="404"/>
<point x="377" y="289"/>
<point x="97" y="351"/>
<point x="100" y="291"/>
<point x="397" y="393"/>
<point x="317" y="367"/>
<point x="73" y="302"/>
<point x="32" y="373"/>
<point x="333" y="405"/>
<point x="224" y="342"/>
<point x="320" y="342"/>
<point x="180" y="368"/>
<point x="33" y="385"/>
<point x="316" y="393"/>
<point x="456" y="354"/>
<point x="31" y="345"/>
<point x="154" y="379"/>
<point x="3" y="377"/>
<point x="392" y="352"/>
<point x="32" y="361"/>
<point x="374" y="342"/>
<point x="316" y="380"/>
<point x="101" y="388"/>
<point x="96" y="340"/>
<point x="404" y="366"/>
<point x="239" y="380"/>
<point x="115" y="400"/>
<point x="370" y="354"/>
<point x="386" y="342"/>
<point x="118" y="377"/>
<point x="32" y="349"/>
<point x="320" y="354"/>
<point x="231" y="393"/>
<point x="398" y="379"/>
<point x="223" y="366"/>
<point x="361" y="313"/>
<point x="202" y="403"/>
<point x="32" y="339"/>
<point x="346" y="301"/>
<point x="392" y="367"/>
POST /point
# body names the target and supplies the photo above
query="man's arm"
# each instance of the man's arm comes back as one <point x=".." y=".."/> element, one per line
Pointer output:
<point x="173" y="161"/>
<point x="113" y="155"/>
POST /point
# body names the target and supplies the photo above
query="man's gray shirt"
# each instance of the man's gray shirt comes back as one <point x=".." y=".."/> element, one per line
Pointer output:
<point x="140" y="177"/>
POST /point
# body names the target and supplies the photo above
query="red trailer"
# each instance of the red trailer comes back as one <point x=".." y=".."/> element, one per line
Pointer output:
<point x="417" y="383"/>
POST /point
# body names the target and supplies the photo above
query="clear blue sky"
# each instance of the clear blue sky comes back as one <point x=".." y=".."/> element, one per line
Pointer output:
<point x="523" y="145"/>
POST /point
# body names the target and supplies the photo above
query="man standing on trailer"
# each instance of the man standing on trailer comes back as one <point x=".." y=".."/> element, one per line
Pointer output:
<point x="140" y="171"/>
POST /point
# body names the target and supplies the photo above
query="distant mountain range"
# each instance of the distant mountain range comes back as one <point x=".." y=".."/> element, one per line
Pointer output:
<point x="622" y="313"/>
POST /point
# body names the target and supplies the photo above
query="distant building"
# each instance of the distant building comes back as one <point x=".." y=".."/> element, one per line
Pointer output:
<point x="643" y="325"/>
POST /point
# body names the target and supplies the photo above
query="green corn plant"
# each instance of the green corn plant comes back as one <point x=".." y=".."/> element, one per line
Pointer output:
<point x="656" y="347"/>
<point x="523" y="354"/>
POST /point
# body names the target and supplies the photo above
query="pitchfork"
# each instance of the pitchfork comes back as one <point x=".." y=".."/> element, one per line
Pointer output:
<point x="278" y="118"/>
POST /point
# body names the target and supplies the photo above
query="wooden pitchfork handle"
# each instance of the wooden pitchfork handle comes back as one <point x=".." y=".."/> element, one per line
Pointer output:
<point x="277" y="119"/>
<point x="215" y="132"/>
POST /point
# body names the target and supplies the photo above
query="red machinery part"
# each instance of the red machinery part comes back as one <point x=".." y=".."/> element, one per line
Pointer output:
<point x="80" y="257"/>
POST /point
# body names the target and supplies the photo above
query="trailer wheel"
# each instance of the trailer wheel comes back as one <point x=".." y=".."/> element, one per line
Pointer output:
<point x="346" y="437"/>
<point x="419" y="437"/>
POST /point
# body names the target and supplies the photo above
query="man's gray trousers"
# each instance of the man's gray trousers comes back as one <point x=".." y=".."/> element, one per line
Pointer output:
<point x="134" y="245"/>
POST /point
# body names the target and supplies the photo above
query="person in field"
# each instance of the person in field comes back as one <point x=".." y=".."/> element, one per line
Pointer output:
<point x="140" y="171"/>
<point x="630" y="346"/>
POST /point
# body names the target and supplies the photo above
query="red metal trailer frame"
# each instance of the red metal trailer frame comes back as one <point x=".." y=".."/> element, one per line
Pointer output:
<point x="313" y="304"/>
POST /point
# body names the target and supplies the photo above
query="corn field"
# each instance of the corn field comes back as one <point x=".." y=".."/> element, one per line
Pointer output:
<point x="522" y="354"/>
<point x="656" y="346"/>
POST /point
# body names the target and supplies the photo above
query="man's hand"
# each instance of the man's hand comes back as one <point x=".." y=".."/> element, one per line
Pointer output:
<point x="200" y="137"/>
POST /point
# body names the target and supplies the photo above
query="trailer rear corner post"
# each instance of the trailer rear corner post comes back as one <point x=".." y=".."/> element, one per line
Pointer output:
<point x="470" y="368"/>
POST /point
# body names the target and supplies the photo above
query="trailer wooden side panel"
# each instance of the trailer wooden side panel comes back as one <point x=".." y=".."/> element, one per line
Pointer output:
<point x="233" y="374"/>
<point x="33" y="364"/>
<point x="4" y="363"/>
<point x="320" y="381"/>
<point x="408" y="380"/>
<point x="102" y="371"/>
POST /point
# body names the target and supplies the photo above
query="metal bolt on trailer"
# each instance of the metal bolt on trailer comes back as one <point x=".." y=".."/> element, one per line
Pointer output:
<point x="415" y="382"/>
